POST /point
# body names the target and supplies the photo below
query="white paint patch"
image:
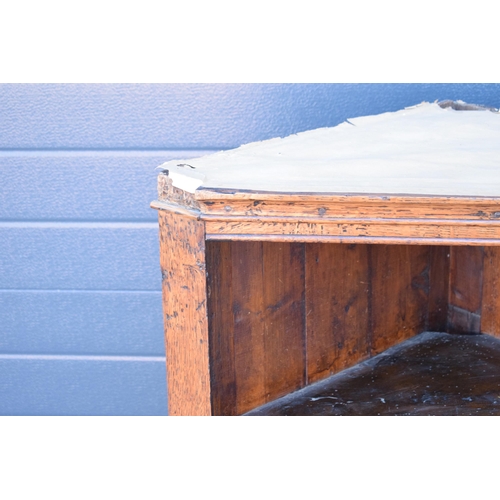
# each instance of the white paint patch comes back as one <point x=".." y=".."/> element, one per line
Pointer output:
<point x="185" y="178"/>
<point x="423" y="150"/>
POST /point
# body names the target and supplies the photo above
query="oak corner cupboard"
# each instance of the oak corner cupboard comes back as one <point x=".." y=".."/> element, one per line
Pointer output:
<point x="288" y="261"/>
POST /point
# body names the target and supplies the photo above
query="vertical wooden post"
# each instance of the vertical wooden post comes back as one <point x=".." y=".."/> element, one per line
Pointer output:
<point x="182" y="260"/>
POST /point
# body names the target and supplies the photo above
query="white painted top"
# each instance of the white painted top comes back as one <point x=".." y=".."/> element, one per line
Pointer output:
<point x="422" y="150"/>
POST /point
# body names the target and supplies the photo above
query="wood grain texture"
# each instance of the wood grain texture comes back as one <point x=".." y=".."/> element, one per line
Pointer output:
<point x="267" y="293"/>
<point x="356" y="240"/>
<point x="337" y="307"/>
<point x="284" y="318"/>
<point x="248" y="307"/>
<point x="465" y="291"/>
<point x="490" y="310"/>
<point x="400" y="292"/>
<point x="257" y="323"/>
<point x="361" y="229"/>
<point x="182" y="260"/>
<point x="221" y="327"/>
<point x="222" y="204"/>
<point x="439" y="277"/>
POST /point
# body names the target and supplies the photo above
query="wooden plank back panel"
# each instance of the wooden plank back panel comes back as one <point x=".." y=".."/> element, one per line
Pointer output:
<point x="283" y="315"/>
<point x="248" y="307"/>
<point x="490" y="312"/>
<point x="439" y="279"/>
<point x="257" y="323"/>
<point x="465" y="290"/>
<point x="221" y="327"/>
<point x="284" y="318"/>
<point x="337" y="307"/>
<point x="182" y="260"/>
<point x="400" y="293"/>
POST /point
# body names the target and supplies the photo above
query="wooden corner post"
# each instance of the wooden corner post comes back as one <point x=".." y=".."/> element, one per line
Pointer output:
<point x="182" y="260"/>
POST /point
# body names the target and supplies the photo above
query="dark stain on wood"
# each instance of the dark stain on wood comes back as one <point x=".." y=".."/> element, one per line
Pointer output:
<point x="439" y="273"/>
<point x="430" y="374"/>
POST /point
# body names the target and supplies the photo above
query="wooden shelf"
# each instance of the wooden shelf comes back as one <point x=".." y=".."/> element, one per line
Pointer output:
<point x="430" y="374"/>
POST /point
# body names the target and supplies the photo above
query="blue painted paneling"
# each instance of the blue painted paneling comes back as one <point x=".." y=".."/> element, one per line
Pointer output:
<point x="81" y="257"/>
<point x="84" y="187"/>
<point x="183" y="116"/>
<point x="52" y="322"/>
<point x="82" y="387"/>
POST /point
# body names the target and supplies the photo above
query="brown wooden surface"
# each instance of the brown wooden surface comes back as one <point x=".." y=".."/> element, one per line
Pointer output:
<point x="338" y="298"/>
<point x="430" y="374"/>
<point x="284" y="315"/>
<point x="221" y="327"/>
<point x="348" y="218"/>
<point x="439" y="277"/>
<point x="490" y="317"/>
<point x="484" y="232"/>
<point x="400" y="292"/>
<point x="182" y="260"/>
<point x="229" y="203"/>
<point x="256" y="304"/>
<point x="248" y="308"/>
<point x="284" y="318"/>
<point x="465" y="292"/>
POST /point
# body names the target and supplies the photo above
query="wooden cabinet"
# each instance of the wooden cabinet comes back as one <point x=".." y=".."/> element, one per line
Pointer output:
<point x="382" y="228"/>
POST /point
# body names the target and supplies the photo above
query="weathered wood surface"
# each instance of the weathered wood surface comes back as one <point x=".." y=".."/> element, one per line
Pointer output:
<point x="221" y="327"/>
<point x="182" y="260"/>
<point x="439" y="281"/>
<point x="430" y="374"/>
<point x="338" y="302"/>
<point x="400" y="293"/>
<point x="348" y="218"/>
<point x="256" y="310"/>
<point x="219" y="204"/>
<point x="490" y="316"/>
<point x="422" y="231"/>
<point x="465" y="293"/>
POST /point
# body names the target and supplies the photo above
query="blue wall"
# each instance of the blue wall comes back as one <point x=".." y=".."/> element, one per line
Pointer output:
<point x="80" y="301"/>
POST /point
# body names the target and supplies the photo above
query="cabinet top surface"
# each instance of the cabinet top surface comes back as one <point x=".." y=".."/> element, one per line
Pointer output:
<point x="423" y="150"/>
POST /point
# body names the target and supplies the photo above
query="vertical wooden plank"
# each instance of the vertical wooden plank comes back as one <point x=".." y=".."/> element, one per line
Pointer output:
<point x="283" y="318"/>
<point x="490" y="313"/>
<point x="337" y="307"/>
<point x="221" y="327"/>
<point x="438" y="292"/>
<point x="267" y="296"/>
<point x="466" y="283"/>
<point x="182" y="260"/>
<point x="248" y="305"/>
<point x="400" y="293"/>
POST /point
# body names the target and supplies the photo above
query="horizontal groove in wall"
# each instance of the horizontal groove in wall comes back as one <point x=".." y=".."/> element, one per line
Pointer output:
<point x="108" y="152"/>
<point x="71" y="357"/>
<point x="77" y="224"/>
<point x="75" y="290"/>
